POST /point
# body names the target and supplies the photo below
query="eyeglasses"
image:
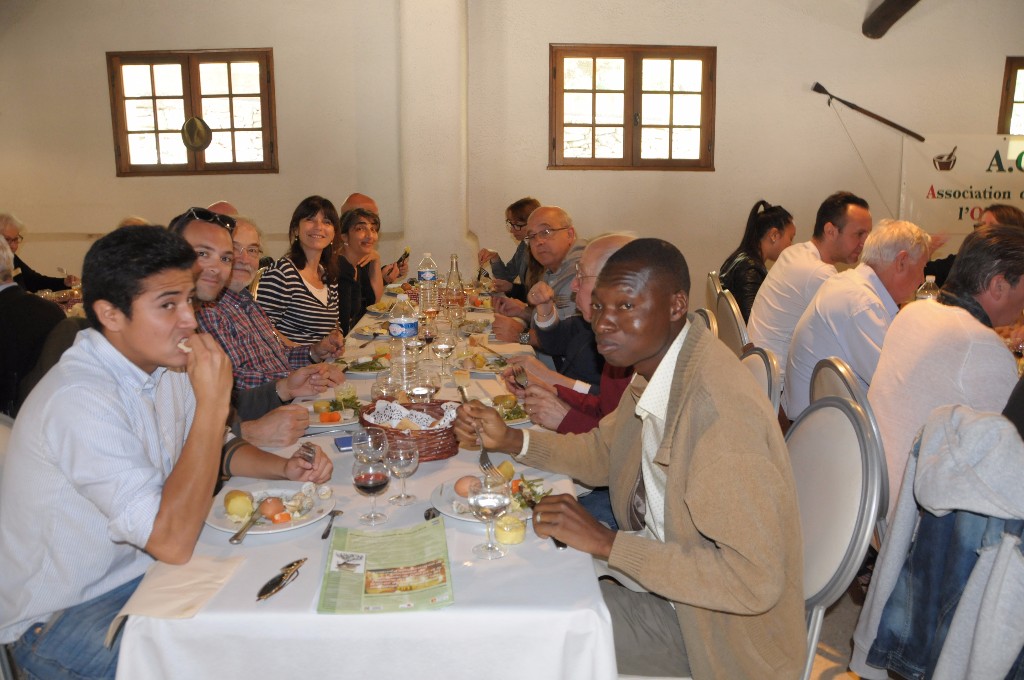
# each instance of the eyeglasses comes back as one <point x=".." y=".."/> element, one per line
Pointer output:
<point x="542" y="235"/>
<point x="515" y="226"/>
<point x="251" y="251"/>
<point x="580" y="276"/>
<point x="202" y="215"/>
<point x="14" y="241"/>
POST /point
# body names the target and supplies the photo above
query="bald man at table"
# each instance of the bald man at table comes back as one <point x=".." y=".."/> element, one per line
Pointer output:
<point x="700" y="483"/>
<point x="116" y="466"/>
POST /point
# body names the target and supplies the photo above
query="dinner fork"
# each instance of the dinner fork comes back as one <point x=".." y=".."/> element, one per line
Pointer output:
<point x="519" y="375"/>
<point x="373" y="337"/>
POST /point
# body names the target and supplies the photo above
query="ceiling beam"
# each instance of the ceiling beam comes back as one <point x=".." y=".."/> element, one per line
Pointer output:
<point x="884" y="16"/>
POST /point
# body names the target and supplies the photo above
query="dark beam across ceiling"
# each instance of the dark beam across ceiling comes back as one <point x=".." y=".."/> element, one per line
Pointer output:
<point x="884" y="16"/>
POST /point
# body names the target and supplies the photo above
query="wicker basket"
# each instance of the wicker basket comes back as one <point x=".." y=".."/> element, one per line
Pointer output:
<point x="432" y="444"/>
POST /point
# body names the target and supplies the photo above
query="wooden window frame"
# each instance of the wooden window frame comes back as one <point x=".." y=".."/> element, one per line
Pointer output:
<point x="634" y="55"/>
<point x="1013" y="64"/>
<point x="190" y="61"/>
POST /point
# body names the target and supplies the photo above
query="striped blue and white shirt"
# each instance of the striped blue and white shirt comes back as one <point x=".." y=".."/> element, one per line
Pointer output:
<point x="295" y="312"/>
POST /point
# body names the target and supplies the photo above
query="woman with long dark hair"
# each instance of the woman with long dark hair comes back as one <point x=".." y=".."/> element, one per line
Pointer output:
<point x="300" y="291"/>
<point x="770" y="230"/>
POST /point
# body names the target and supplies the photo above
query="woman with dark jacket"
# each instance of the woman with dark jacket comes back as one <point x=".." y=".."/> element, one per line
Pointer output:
<point x="769" y="231"/>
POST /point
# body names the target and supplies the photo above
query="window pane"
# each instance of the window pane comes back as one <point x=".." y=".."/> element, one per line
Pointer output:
<point x="245" y="77"/>
<point x="687" y="75"/>
<point x="654" y="143"/>
<point x="219" y="150"/>
<point x="578" y="108"/>
<point x="609" y="142"/>
<point x="577" y="142"/>
<point x="217" y="112"/>
<point x="247" y="112"/>
<point x="249" y="147"/>
<point x="138" y="114"/>
<point x="656" y="74"/>
<point x="135" y="80"/>
<point x="170" y="114"/>
<point x="686" y="109"/>
<point x="142" y="149"/>
<point x="172" y="150"/>
<point x="168" y="79"/>
<point x="609" y="108"/>
<point x="213" y="78"/>
<point x="611" y="74"/>
<point x="578" y="74"/>
<point x="1017" y="120"/>
<point x="686" y="143"/>
<point x="655" y="109"/>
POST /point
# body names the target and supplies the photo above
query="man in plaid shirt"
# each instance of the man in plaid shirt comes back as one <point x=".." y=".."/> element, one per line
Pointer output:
<point x="241" y="327"/>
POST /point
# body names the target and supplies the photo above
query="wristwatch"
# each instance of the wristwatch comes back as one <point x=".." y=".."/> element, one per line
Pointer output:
<point x="524" y="338"/>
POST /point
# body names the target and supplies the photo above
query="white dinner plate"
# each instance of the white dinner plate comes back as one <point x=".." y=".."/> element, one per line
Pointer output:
<point x="380" y="308"/>
<point x="444" y="496"/>
<point x="367" y="331"/>
<point x="219" y="520"/>
<point x="519" y="422"/>
<point x="315" y="424"/>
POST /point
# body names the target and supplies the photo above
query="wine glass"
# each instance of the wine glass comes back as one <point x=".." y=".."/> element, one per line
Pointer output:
<point x="457" y="315"/>
<point x="444" y="346"/>
<point x="369" y="445"/>
<point x="489" y="498"/>
<point x="403" y="458"/>
<point x="371" y="478"/>
<point x="428" y="331"/>
<point x="426" y="386"/>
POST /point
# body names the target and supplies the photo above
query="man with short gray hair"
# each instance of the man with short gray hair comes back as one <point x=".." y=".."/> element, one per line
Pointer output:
<point x="851" y="312"/>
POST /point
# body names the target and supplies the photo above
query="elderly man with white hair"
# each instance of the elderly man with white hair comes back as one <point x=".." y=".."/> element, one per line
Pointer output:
<point x="851" y="312"/>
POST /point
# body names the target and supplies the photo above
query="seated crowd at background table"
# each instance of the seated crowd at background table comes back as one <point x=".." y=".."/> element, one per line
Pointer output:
<point x="641" y="402"/>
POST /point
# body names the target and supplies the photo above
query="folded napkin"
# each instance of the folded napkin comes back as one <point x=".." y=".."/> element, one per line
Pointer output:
<point x="394" y="415"/>
<point x="170" y="591"/>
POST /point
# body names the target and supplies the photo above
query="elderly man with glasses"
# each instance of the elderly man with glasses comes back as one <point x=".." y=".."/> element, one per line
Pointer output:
<point x="552" y="240"/>
<point x="25" y="276"/>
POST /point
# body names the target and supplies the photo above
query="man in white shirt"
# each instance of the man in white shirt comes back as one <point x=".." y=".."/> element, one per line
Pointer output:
<point x="700" y="484"/>
<point x="116" y="466"/>
<point x="840" y="229"/>
<point x="851" y="312"/>
<point x="945" y="351"/>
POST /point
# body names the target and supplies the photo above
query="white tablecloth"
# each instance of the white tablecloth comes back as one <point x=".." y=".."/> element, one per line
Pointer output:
<point x="537" y="613"/>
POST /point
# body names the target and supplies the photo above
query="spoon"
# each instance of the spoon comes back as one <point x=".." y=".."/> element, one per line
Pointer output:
<point x="330" y="523"/>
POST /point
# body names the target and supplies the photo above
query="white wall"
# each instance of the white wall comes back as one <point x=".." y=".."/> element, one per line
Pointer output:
<point x="341" y="72"/>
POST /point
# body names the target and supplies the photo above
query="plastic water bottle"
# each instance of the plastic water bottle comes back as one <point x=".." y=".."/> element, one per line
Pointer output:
<point x="427" y="277"/>
<point x="928" y="289"/>
<point x="403" y="322"/>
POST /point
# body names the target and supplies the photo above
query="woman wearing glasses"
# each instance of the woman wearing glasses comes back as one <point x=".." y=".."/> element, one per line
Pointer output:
<point x="300" y="291"/>
<point x="506" y="273"/>
<point x="360" y="280"/>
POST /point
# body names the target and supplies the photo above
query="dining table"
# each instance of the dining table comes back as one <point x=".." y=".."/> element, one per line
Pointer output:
<point x="536" y="613"/>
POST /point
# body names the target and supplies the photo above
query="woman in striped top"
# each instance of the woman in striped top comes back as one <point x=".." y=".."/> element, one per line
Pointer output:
<point x="300" y="291"/>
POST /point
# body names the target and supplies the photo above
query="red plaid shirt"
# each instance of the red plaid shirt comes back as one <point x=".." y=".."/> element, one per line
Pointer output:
<point x="248" y="338"/>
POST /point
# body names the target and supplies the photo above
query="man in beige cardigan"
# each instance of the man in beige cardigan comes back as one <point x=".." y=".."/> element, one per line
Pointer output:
<point x="700" y="483"/>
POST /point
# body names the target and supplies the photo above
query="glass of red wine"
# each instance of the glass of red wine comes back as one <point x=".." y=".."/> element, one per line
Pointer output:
<point x="371" y="478"/>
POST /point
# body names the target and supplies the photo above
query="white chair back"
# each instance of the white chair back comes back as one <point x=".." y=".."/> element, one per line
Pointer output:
<point x="833" y="377"/>
<point x="731" y="328"/>
<point x="835" y="463"/>
<point x="765" y="367"/>
<point x="714" y="287"/>
<point x="708" y="317"/>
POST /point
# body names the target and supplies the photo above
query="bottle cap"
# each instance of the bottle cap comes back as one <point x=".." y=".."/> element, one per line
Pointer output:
<point x="402" y="296"/>
<point x="930" y="278"/>
<point x="426" y="254"/>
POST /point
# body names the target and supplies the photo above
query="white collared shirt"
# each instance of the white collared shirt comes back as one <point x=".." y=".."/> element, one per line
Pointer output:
<point x="652" y="408"/>
<point x="83" y="477"/>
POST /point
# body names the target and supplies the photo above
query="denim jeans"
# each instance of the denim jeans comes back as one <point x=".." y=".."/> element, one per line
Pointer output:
<point x="70" y="645"/>
<point x="599" y="504"/>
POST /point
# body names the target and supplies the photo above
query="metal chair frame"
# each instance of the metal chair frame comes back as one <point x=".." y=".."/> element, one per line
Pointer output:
<point x="732" y="330"/>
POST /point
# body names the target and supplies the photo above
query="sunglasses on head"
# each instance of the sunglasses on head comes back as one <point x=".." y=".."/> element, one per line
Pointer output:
<point x="203" y="215"/>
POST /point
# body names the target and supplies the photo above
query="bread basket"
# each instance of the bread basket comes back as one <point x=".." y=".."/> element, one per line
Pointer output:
<point x="432" y="444"/>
